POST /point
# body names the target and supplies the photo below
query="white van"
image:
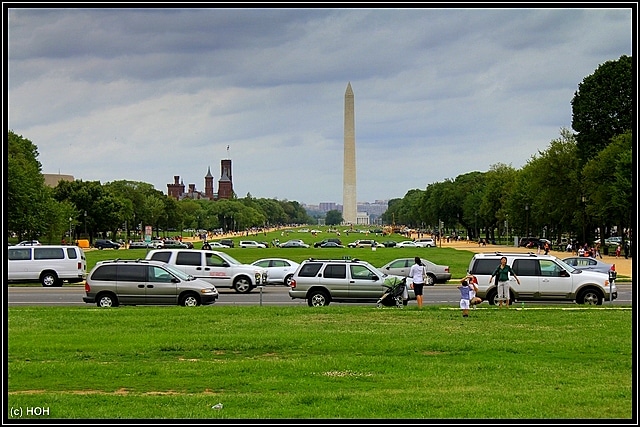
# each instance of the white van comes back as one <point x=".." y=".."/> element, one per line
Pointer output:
<point x="50" y="265"/>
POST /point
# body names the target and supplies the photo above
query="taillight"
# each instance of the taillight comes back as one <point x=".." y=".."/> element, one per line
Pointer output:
<point x="87" y="288"/>
<point x="446" y="269"/>
<point x="292" y="283"/>
<point x="79" y="266"/>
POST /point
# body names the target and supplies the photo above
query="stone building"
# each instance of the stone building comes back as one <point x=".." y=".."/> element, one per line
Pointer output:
<point x="225" y="186"/>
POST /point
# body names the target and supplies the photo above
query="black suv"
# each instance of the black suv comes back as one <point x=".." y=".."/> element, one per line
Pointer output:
<point x="323" y="241"/>
<point x="106" y="244"/>
<point x="226" y="242"/>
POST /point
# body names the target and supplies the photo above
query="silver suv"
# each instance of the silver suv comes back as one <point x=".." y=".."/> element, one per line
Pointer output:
<point x="137" y="282"/>
<point x="323" y="281"/>
<point x="215" y="267"/>
<point x="542" y="278"/>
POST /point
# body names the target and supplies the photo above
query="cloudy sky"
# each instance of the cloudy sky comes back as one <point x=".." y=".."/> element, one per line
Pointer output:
<point x="146" y="94"/>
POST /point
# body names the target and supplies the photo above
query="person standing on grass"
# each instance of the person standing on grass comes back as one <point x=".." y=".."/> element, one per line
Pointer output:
<point x="464" y="297"/>
<point x="501" y="273"/>
<point x="417" y="274"/>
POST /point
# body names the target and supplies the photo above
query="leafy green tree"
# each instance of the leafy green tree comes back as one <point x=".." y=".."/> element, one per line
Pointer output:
<point x="608" y="184"/>
<point x="548" y="176"/>
<point x="333" y="217"/>
<point x="603" y="106"/>
<point x="29" y="200"/>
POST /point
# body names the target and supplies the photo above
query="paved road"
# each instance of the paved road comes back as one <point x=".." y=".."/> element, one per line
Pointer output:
<point x="270" y="295"/>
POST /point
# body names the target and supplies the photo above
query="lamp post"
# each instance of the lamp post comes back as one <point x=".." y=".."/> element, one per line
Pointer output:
<point x="85" y="223"/>
<point x="526" y="209"/>
<point x="70" y="237"/>
<point x="475" y="228"/>
<point x="584" y="219"/>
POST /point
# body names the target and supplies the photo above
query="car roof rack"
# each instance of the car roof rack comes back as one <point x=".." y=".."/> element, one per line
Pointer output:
<point x="512" y="253"/>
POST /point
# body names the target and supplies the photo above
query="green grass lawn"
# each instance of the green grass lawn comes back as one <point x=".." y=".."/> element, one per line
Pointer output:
<point x="336" y="362"/>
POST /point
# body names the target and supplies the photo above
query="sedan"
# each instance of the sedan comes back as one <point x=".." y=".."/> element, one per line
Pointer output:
<point x="588" y="263"/>
<point x="215" y="245"/>
<point x="401" y="266"/>
<point x="139" y="245"/>
<point x="294" y="244"/>
<point x="279" y="270"/>
<point x="330" y="245"/>
<point x="406" y="244"/>
<point x="29" y="243"/>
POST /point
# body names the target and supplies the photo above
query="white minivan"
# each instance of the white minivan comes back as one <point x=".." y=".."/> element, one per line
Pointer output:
<point x="50" y="265"/>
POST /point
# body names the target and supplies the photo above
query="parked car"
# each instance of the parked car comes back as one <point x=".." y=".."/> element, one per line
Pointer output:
<point x="227" y="242"/>
<point x="106" y="244"/>
<point x="542" y="278"/>
<point x="406" y="244"/>
<point x="139" y="245"/>
<point x="215" y="267"/>
<point x="50" y="265"/>
<point x="215" y="245"/>
<point x="322" y="281"/>
<point x="365" y="244"/>
<point x="389" y="243"/>
<point x="588" y="263"/>
<point x="251" y="244"/>
<point x="436" y="273"/>
<point x="29" y="243"/>
<point x="138" y="282"/>
<point x="330" y="239"/>
<point x="331" y="245"/>
<point x="279" y="270"/>
<point x="157" y="244"/>
<point x="174" y="244"/>
<point x="294" y="244"/>
<point x="529" y="242"/>
<point x="425" y="243"/>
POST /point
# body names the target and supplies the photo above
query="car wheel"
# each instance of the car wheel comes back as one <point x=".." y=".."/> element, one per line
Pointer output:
<point x="190" y="300"/>
<point x="287" y="280"/>
<point x="107" y="300"/>
<point x="492" y="297"/>
<point x="318" y="298"/>
<point x="589" y="297"/>
<point x="48" y="279"/>
<point x="430" y="280"/>
<point x="242" y="285"/>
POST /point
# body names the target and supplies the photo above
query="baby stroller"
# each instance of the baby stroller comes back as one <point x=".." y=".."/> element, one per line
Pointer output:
<point x="394" y="296"/>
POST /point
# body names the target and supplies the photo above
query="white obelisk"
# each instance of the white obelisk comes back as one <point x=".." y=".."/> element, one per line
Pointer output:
<point x="349" y="206"/>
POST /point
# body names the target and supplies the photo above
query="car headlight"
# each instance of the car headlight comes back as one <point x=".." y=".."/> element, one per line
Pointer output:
<point x="207" y="291"/>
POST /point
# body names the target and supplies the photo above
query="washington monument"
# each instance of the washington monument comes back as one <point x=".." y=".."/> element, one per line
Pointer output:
<point x="349" y="207"/>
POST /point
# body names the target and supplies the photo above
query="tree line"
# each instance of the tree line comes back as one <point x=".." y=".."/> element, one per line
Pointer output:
<point x="89" y="209"/>
<point x="581" y="184"/>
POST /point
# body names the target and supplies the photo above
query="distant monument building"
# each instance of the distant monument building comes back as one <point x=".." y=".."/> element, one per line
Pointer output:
<point x="350" y="214"/>
<point x="225" y="186"/>
<point x="349" y="207"/>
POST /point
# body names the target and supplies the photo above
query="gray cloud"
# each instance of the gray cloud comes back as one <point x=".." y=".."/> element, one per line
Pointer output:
<point x="146" y="94"/>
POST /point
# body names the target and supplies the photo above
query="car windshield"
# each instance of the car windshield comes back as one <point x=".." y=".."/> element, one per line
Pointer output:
<point x="179" y="274"/>
<point x="231" y="260"/>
